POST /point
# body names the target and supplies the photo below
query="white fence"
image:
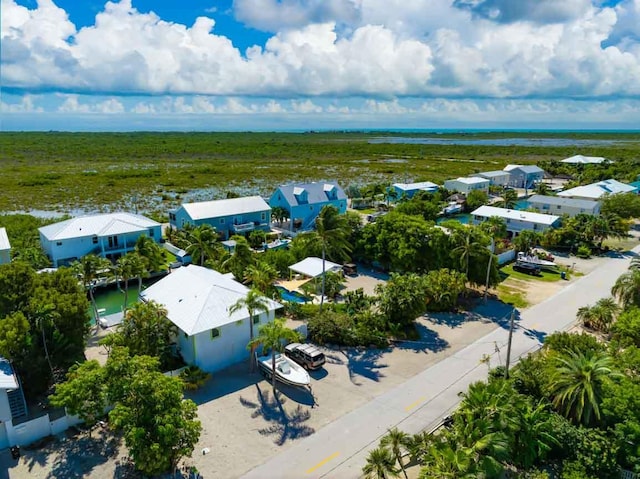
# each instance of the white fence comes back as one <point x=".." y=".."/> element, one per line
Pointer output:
<point x="506" y="256"/>
<point x="27" y="432"/>
<point x="628" y="475"/>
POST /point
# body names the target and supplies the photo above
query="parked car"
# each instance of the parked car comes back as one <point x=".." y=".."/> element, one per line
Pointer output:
<point x="307" y="355"/>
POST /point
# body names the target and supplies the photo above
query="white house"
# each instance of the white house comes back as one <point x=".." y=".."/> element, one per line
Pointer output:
<point x="496" y="178"/>
<point x="516" y="220"/>
<point x="5" y="247"/>
<point x="8" y="388"/>
<point x="197" y="301"/>
<point x="524" y="176"/>
<point x="467" y="185"/>
<point x="558" y="205"/>
<point x="408" y="190"/>
<point x="597" y="190"/>
<point x="584" y="160"/>
<point x="229" y="216"/>
<point x="108" y="235"/>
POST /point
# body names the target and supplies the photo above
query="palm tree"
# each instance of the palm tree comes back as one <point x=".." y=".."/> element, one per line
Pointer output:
<point x="271" y="336"/>
<point x="241" y="258"/>
<point x="151" y="252"/>
<point x="535" y="436"/>
<point x="542" y="189"/>
<point x="392" y="194"/>
<point x="467" y="247"/>
<point x="331" y="233"/>
<point x="397" y="442"/>
<point x="444" y="461"/>
<point x="254" y="302"/>
<point x="627" y="288"/>
<point x="129" y="266"/>
<point x="600" y="316"/>
<point x="380" y="465"/>
<point x="576" y="384"/>
<point x="261" y="276"/>
<point x="635" y="263"/>
<point x="279" y="214"/>
<point x="43" y="316"/>
<point x="89" y="268"/>
<point x="201" y="242"/>
<point x="509" y="199"/>
<point x="495" y="227"/>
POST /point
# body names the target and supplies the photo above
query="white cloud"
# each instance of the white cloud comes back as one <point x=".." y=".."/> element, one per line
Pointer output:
<point x="371" y="48"/>
<point x="72" y="104"/>
<point x="25" y="105"/>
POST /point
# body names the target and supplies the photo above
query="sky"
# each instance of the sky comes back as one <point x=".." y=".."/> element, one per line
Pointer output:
<point x="295" y="65"/>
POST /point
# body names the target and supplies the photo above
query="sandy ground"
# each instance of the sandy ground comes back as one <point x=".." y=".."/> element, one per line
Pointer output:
<point x="244" y="424"/>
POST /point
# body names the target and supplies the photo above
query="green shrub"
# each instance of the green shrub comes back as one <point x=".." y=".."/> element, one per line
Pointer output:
<point x="583" y="252"/>
<point x="193" y="377"/>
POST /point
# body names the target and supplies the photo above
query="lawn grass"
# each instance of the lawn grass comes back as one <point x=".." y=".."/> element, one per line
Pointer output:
<point x="624" y="244"/>
<point x="508" y="272"/>
<point x="513" y="297"/>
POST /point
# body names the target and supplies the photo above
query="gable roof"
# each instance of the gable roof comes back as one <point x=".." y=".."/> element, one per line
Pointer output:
<point x="97" y="225"/>
<point x="525" y="168"/>
<point x="471" y="180"/>
<point x="316" y="192"/>
<point x="227" y="207"/>
<point x="198" y="299"/>
<point x="492" y="174"/>
<point x="559" y="201"/>
<point x="7" y="379"/>
<point x="424" y="185"/>
<point x="312" y="266"/>
<point x="585" y="160"/>
<point x="4" y="240"/>
<point x="539" y="218"/>
<point x="601" y="188"/>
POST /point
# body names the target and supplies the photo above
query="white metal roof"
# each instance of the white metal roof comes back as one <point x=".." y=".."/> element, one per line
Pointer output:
<point x="493" y="174"/>
<point x="423" y="185"/>
<point x="97" y="225"/>
<point x="312" y="267"/>
<point x="4" y="240"/>
<point x="585" y="160"/>
<point x="539" y="218"/>
<point x="596" y="190"/>
<point x="562" y="201"/>
<point x="511" y="167"/>
<point x="227" y="207"/>
<point x="7" y="379"/>
<point x="198" y="299"/>
<point x="471" y="180"/>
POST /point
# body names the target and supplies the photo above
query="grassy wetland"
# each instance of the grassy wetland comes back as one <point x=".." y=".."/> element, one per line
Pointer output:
<point x="71" y="172"/>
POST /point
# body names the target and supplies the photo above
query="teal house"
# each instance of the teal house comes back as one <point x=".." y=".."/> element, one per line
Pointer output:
<point x="304" y="201"/>
<point x="229" y="217"/>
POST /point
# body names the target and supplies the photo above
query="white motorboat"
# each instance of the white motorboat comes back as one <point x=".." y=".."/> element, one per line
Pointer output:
<point x="533" y="259"/>
<point x="452" y="209"/>
<point x="287" y="370"/>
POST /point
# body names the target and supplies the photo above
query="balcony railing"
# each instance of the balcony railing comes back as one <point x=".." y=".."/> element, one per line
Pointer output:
<point x="243" y="228"/>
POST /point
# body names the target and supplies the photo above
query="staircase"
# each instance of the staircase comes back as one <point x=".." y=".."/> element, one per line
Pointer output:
<point x="17" y="403"/>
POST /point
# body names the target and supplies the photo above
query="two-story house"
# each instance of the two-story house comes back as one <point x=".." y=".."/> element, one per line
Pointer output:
<point x="109" y="235"/>
<point x="5" y="247"/>
<point x="229" y="216"/>
<point x="467" y="185"/>
<point x="524" y="176"/>
<point x="408" y="190"/>
<point x="516" y="220"/>
<point x="304" y="201"/>
<point x="557" y="205"/>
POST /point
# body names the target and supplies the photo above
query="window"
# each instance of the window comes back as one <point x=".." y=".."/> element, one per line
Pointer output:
<point x="150" y="232"/>
<point x="58" y="243"/>
<point x="172" y="216"/>
<point x="535" y="227"/>
<point x="221" y="221"/>
<point x="94" y="240"/>
<point x="263" y="216"/>
<point x="558" y="206"/>
<point x="508" y="220"/>
<point x="186" y="335"/>
<point x="256" y="319"/>
<point x="215" y="333"/>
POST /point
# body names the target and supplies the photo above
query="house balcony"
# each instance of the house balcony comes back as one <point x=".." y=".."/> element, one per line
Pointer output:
<point x="243" y="228"/>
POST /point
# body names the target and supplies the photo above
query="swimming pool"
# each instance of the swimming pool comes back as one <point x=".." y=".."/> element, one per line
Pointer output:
<point x="111" y="299"/>
<point x="291" y="296"/>
<point x="464" y="218"/>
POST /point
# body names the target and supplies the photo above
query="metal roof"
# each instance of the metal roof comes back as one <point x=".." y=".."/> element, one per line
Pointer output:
<point x="493" y="174"/>
<point x="4" y="240"/>
<point x="471" y="180"/>
<point x="312" y="267"/>
<point x="227" y="207"/>
<point x="97" y="225"/>
<point x="585" y="160"/>
<point x="601" y="188"/>
<point x="198" y="299"/>
<point x="525" y="168"/>
<point x="557" y="200"/>
<point x="539" y="218"/>
<point x="7" y="379"/>
<point x="424" y="185"/>
<point x="316" y="193"/>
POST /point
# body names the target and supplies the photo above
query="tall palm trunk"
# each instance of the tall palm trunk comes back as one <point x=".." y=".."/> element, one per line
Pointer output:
<point x="94" y="304"/>
<point x="252" y="359"/>
<point x="323" y="275"/>
<point x="46" y="350"/>
<point x="126" y="295"/>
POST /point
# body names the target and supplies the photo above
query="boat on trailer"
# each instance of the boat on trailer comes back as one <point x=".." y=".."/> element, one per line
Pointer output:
<point x="287" y="371"/>
<point x="522" y="258"/>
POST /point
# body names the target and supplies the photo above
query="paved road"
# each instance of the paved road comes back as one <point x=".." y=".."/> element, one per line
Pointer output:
<point x="339" y="450"/>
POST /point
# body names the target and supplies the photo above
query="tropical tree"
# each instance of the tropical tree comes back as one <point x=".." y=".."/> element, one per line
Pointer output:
<point x="475" y="199"/>
<point x="526" y="240"/>
<point x="271" y="337"/>
<point x="509" y="199"/>
<point x="402" y="298"/>
<point x="124" y="270"/>
<point x="535" y="436"/>
<point x="201" y="242"/>
<point x="442" y="460"/>
<point x="467" y="247"/>
<point x="255" y="304"/>
<point x="576" y="384"/>
<point x="279" y="214"/>
<point x="380" y="465"/>
<point x="397" y="442"/>
<point x="542" y="189"/>
<point x="331" y="233"/>
<point x="627" y="288"/>
<point x="151" y="253"/>
<point x="43" y="317"/>
<point x="261" y="275"/>
<point x="89" y="268"/>
<point x="600" y="316"/>
<point x="391" y="194"/>
<point x="496" y="228"/>
<point x="241" y="258"/>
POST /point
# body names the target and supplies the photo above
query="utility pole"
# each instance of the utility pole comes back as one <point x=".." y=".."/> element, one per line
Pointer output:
<point x="486" y="284"/>
<point x="506" y="368"/>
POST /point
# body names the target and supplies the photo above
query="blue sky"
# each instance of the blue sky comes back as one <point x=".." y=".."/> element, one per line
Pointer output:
<point x="311" y="64"/>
